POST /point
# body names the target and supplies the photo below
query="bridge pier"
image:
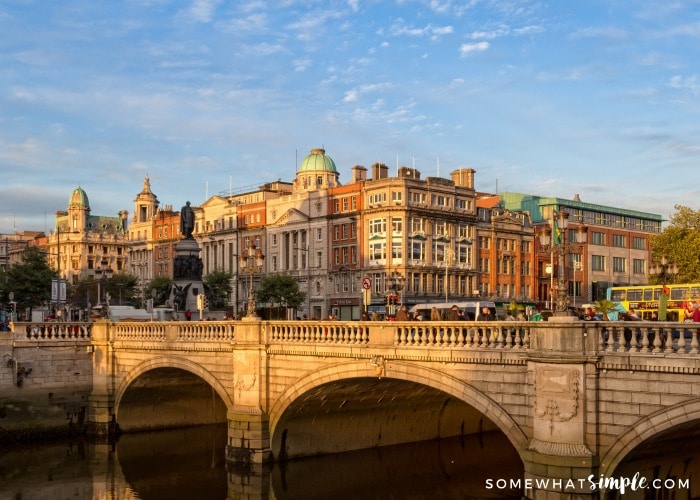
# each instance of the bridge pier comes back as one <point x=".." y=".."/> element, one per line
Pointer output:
<point x="248" y="423"/>
<point x="562" y="452"/>
<point x="102" y="421"/>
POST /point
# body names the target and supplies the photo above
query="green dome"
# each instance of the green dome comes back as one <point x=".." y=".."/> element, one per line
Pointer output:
<point x="79" y="199"/>
<point x="317" y="160"/>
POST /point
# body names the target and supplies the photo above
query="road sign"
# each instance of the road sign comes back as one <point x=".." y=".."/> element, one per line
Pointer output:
<point x="366" y="283"/>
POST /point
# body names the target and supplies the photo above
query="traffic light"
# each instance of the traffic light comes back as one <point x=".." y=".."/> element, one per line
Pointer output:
<point x="386" y="300"/>
<point x="205" y="302"/>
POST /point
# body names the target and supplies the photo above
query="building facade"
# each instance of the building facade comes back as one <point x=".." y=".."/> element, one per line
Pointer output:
<point x="617" y="250"/>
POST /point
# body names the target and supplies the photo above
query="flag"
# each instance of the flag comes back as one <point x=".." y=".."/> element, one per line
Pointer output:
<point x="556" y="233"/>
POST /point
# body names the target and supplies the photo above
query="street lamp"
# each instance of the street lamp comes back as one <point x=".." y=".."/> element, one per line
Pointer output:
<point x="396" y="281"/>
<point x="103" y="274"/>
<point x="553" y="241"/>
<point x="663" y="269"/>
<point x="250" y="260"/>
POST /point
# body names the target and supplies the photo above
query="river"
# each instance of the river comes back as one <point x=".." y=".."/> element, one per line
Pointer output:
<point x="189" y="463"/>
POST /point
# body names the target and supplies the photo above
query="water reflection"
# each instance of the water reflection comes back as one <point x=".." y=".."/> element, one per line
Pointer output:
<point x="189" y="463"/>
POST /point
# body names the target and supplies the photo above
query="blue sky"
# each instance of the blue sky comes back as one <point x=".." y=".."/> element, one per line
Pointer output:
<point x="551" y="98"/>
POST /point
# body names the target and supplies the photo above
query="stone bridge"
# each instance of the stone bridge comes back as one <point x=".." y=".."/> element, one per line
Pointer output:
<point x="572" y="397"/>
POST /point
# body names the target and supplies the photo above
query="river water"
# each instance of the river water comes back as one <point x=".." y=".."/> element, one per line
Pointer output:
<point x="189" y="463"/>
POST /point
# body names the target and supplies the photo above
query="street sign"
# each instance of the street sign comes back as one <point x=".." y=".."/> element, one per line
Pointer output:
<point x="366" y="283"/>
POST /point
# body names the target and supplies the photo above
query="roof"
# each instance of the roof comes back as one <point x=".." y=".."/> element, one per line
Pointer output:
<point x="317" y="160"/>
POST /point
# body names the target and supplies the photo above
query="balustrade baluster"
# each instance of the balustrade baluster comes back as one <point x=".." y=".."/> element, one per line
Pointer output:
<point x="657" y="340"/>
<point x="681" y="341"/>
<point x="694" y="340"/>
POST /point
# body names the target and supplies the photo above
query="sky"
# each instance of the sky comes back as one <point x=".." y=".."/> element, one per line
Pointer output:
<point x="595" y="98"/>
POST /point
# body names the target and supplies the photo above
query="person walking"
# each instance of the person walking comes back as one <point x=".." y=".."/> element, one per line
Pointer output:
<point x="435" y="314"/>
<point x="402" y="315"/>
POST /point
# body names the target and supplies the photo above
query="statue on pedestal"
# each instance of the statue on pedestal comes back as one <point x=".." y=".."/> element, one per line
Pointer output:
<point x="186" y="221"/>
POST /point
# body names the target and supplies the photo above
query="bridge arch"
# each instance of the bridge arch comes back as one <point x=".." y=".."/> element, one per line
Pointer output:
<point x="647" y="428"/>
<point x="403" y="371"/>
<point x="171" y="362"/>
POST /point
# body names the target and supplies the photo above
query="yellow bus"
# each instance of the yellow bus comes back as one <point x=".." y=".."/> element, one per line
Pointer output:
<point x="644" y="299"/>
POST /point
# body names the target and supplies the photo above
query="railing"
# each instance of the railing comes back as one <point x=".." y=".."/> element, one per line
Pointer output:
<point x="53" y="331"/>
<point x="648" y="337"/>
<point x="638" y="337"/>
<point x="301" y="332"/>
<point x="461" y="334"/>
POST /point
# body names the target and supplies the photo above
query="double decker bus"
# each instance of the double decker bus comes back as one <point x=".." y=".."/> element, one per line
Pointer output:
<point x="644" y="299"/>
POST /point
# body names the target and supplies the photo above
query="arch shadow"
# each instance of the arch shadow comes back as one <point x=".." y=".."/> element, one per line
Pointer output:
<point x="647" y="428"/>
<point x="171" y="362"/>
<point x="408" y="372"/>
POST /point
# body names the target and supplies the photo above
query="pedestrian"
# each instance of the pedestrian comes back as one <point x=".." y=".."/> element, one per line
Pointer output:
<point x="434" y="314"/>
<point x="485" y="314"/>
<point x="696" y="313"/>
<point x="452" y="314"/>
<point x="188" y="315"/>
<point x="402" y="315"/>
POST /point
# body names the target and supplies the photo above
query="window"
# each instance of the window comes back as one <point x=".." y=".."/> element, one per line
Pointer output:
<point x="377" y="226"/>
<point x="377" y="251"/>
<point x="484" y="243"/>
<point x="396" y="225"/>
<point x="619" y="264"/>
<point x="597" y="238"/>
<point x="598" y="262"/>
<point x="638" y="266"/>
<point x="417" y="225"/>
<point x="396" y="196"/>
<point x="619" y="240"/>
<point x="638" y="243"/>
<point x="345" y="204"/>
<point x="274" y="240"/>
<point x="418" y="250"/>
<point x="319" y="234"/>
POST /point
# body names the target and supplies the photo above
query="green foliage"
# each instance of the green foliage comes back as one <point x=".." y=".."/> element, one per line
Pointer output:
<point x="680" y="243"/>
<point x="158" y="284"/>
<point x="281" y="289"/>
<point x="29" y="280"/>
<point x="604" y="306"/>
<point x="122" y="285"/>
<point x="514" y="308"/>
<point x="219" y="282"/>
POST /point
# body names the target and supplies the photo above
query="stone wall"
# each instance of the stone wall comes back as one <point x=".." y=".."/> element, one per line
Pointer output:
<point x="44" y="386"/>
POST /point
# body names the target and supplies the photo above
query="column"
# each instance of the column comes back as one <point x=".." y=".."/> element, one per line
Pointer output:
<point x="248" y="421"/>
<point x="102" y="423"/>
<point x="562" y="453"/>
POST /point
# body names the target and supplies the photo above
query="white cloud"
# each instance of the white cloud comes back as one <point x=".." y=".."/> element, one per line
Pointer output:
<point x="468" y="48"/>
<point x="202" y="11"/>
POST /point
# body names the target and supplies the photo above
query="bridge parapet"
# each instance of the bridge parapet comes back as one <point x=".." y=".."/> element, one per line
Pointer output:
<point x="70" y="331"/>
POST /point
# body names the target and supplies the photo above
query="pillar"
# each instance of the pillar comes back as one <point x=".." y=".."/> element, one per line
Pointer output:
<point x="248" y="421"/>
<point x="102" y="422"/>
<point x="563" y="451"/>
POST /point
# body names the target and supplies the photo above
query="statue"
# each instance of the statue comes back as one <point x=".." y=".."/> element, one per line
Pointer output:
<point x="187" y="221"/>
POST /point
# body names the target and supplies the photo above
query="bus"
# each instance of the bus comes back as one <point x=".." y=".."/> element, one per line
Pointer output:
<point x="471" y="308"/>
<point x="644" y="299"/>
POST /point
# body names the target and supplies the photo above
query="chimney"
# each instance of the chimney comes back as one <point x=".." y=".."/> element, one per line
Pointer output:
<point x="463" y="177"/>
<point x="359" y="173"/>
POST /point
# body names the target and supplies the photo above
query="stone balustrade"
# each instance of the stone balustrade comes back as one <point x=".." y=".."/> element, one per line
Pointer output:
<point x="611" y="337"/>
<point x="54" y="331"/>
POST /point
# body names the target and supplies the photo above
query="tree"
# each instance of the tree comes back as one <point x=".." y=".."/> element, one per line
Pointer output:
<point x="605" y="307"/>
<point x="281" y="289"/>
<point x="122" y="286"/>
<point x="29" y="280"/>
<point x="680" y="243"/>
<point x="218" y="284"/>
<point x="161" y="286"/>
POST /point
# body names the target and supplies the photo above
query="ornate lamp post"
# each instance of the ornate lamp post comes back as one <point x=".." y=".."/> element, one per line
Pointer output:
<point x="553" y="241"/>
<point x="396" y="282"/>
<point x="251" y="259"/>
<point x="103" y="274"/>
<point x="664" y="269"/>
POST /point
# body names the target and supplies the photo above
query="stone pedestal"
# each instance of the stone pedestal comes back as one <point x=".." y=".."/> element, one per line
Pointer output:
<point x="187" y="275"/>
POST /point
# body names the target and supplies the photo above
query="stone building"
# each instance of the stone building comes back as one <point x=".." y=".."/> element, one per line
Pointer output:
<point x="617" y="250"/>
